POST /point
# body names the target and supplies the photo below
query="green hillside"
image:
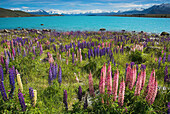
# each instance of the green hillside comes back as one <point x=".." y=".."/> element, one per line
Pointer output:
<point x="11" y="13"/>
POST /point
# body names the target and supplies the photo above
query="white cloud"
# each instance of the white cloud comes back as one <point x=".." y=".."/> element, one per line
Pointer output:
<point x="15" y="8"/>
<point x="77" y="11"/>
<point x="25" y="7"/>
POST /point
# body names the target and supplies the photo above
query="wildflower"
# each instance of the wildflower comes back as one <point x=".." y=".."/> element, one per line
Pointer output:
<point x="79" y="93"/>
<point x="31" y="93"/>
<point x="73" y="57"/>
<point x="1" y="73"/>
<point x="19" y="82"/>
<point x="59" y="75"/>
<point x="2" y="89"/>
<point x="166" y="74"/>
<point x="91" y="88"/>
<point x="35" y="97"/>
<point x="65" y="99"/>
<point x="12" y="82"/>
<point x="138" y="85"/>
<point x="115" y="84"/>
<point x="154" y="92"/>
<point x="85" y="103"/>
<point x="22" y="102"/>
<point x="121" y="93"/>
<point x="50" y="77"/>
<point x="109" y="80"/>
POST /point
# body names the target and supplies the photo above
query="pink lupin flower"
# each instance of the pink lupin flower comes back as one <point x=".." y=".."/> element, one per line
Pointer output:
<point x="143" y="73"/>
<point x="151" y="86"/>
<point x="156" y="59"/>
<point x="102" y="45"/>
<point x="121" y="93"/>
<point x="109" y="80"/>
<point x="115" y="84"/>
<point x="155" y="91"/>
<point x="128" y="75"/>
<point x="104" y="72"/>
<point x="132" y="77"/>
<point x="138" y="85"/>
<point x="102" y="83"/>
<point x="91" y="88"/>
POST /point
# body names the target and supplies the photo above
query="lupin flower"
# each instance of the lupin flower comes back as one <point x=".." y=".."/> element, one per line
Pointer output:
<point x="1" y="73"/>
<point x="91" y="88"/>
<point x="102" y="82"/>
<point x="89" y="54"/>
<point x="31" y="93"/>
<point x="73" y="57"/>
<point x="154" y="92"/>
<point x="138" y="85"/>
<point x="2" y="89"/>
<point x="128" y="75"/>
<point x="132" y="77"/>
<point x="121" y="93"/>
<point x="143" y="74"/>
<point x="19" y="82"/>
<point x="35" y="97"/>
<point x="79" y="93"/>
<point x="109" y="80"/>
<point x="50" y="77"/>
<point x="60" y="75"/>
<point x="115" y="84"/>
<point x="2" y="60"/>
<point x="22" y="102"/>
<point x="65" y="99"/>
<point x="151" y="85"/>
<point x="166" y="74"/>
<point x="85" y="103"/>
<point x="12" y="82"/>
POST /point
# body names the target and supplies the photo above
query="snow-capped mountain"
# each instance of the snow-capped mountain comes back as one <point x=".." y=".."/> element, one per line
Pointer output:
<point x="37" y="12"/>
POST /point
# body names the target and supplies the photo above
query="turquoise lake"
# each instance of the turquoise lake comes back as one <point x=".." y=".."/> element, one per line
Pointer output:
<point x="88" y="23"/>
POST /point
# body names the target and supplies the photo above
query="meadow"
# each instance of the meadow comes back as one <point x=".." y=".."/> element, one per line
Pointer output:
<point x="84" y="72"/>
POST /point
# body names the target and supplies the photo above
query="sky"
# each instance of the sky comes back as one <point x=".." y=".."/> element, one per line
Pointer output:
<point x="78" y="6"/>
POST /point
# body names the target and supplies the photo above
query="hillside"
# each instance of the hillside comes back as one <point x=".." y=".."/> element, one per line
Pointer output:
<point x="11" y="13"/>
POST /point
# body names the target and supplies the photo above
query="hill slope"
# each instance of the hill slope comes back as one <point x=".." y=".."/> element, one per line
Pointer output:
<point x="11" y="13"/>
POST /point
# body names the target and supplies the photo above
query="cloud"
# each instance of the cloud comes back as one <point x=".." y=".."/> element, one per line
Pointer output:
<point x="23" y="7"/>
<point x="15" y="8"/>
<point x="54" y="11"/>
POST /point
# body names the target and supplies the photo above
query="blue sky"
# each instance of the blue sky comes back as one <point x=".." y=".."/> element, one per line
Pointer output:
<point x="65" y="6"/>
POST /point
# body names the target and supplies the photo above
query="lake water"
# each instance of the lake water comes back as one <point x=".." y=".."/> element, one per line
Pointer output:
<point x="89" y="23"/>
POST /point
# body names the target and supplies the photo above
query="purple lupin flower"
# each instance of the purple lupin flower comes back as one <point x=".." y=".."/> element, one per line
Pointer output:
<point x="50" y="77"/>
<point x="31" y="93"/>
<point x="168" y="108"/>
<point x="65" y="99"/>
<point x="12" y="82"/>
<point x="168" y="58"/>
<point x="166" y="74"/>
<point x="54" y="47"/>
<point x="60" y="75"/>
<point x="73" y="57"/>
<point x="159" y="62"/>
<point x="85" y="103"/>
<point x="79" y="93"/>
<point x="2" y="89"/>
<point x="1" y="73"/>
<point x="22" y="102"/>
<point x="89" y="54"/>
<point x="164" y="58"/>
<point x="54" y="71"/>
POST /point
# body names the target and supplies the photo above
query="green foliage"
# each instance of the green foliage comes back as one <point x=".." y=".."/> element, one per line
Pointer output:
<point x="136" y="57"/>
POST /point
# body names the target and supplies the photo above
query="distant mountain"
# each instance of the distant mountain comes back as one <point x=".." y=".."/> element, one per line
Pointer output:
<point x="38" y="12"/>
<point x="11" y="13"/>
<point x="156" y="9"/>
